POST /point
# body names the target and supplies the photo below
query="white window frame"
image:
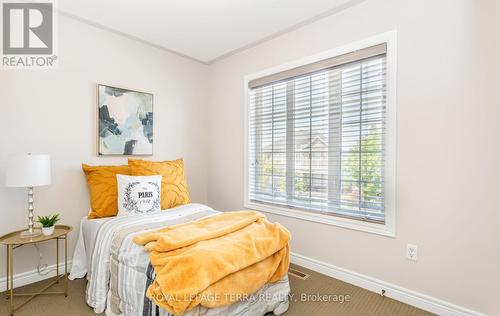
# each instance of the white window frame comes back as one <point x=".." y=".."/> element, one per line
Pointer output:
<point x="388" y="228"/>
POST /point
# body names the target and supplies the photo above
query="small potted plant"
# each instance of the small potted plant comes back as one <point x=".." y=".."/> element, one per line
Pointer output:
<point x="48" y="223"/>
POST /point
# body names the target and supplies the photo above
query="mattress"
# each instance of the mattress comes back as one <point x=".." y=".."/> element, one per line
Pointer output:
<point x="84" y="246"/>
<point x="89" y="228"/>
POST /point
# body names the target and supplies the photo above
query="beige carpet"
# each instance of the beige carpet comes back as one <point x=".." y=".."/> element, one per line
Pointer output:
<point x="304" y="300"/>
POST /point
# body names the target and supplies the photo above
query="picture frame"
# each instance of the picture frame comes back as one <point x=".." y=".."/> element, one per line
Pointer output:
<point x="124" y="121"/>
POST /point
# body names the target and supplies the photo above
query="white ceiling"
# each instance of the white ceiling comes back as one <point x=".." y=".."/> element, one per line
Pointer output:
<point x="204" y="30"/>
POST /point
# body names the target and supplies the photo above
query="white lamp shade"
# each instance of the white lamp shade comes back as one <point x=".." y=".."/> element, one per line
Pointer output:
<point x="28" y="171"/>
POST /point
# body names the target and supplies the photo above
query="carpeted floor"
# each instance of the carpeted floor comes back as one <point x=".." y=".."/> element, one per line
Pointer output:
<point x="304" y="300"/>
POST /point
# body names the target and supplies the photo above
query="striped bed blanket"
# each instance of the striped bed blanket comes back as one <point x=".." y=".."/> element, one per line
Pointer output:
<point x="120" y="271"/>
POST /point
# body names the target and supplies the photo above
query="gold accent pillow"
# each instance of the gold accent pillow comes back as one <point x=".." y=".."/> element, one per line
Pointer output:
<point x="174" y="190"/>
<point x="103" y="189"/>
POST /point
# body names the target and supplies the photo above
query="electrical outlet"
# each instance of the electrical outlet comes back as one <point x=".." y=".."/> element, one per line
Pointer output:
<point x="411" y="252"/>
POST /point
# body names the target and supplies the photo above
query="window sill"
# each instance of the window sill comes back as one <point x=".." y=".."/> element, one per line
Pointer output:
<point x="373" y="228"/>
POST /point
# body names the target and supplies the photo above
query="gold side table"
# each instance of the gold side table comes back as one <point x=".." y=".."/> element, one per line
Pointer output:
<point x="13" y="241"/>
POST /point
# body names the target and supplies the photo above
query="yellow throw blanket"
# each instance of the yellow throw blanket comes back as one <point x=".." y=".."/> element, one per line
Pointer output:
<point x="215" y="261"/>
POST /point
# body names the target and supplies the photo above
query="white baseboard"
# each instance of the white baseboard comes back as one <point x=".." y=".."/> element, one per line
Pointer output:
<point x="33" y="276"/>
<point x="401" y="294"/>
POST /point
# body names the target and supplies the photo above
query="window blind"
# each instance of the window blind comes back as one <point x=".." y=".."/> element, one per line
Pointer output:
<point x="316" y="140"/>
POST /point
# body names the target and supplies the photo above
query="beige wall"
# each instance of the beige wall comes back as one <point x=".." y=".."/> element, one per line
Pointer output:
<point x="54" y="112"/>
<point x="448" y="148"/>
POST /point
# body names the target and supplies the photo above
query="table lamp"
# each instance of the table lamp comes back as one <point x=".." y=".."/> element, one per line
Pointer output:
<point x="28" y="171"/>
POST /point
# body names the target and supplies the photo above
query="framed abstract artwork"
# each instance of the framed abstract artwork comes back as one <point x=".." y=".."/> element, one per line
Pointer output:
<point x="125" y="122"/>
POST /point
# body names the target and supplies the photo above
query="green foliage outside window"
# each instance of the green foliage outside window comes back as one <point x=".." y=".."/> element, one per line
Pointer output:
<point x="370" y="172"/>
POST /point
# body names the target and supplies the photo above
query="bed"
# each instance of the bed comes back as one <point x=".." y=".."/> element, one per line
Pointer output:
<point x="118" y="271"/>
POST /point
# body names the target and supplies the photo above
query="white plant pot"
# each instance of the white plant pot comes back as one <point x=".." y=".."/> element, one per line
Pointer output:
<point x="47" y="231"/>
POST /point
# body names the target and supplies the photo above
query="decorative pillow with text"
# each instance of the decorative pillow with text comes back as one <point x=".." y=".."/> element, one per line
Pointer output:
<point x="138" y="194"/>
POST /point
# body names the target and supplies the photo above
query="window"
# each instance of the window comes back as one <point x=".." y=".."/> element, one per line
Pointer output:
<point x="317" y="138"/>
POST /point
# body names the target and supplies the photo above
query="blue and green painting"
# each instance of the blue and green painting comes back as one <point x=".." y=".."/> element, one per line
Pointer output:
<point x="125" y="121"/>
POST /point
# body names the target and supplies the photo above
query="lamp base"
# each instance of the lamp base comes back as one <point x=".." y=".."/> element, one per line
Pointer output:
<point x="27" y="234"/>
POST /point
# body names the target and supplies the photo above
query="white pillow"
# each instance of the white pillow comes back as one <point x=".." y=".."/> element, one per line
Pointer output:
<point x="138" y="194"/>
